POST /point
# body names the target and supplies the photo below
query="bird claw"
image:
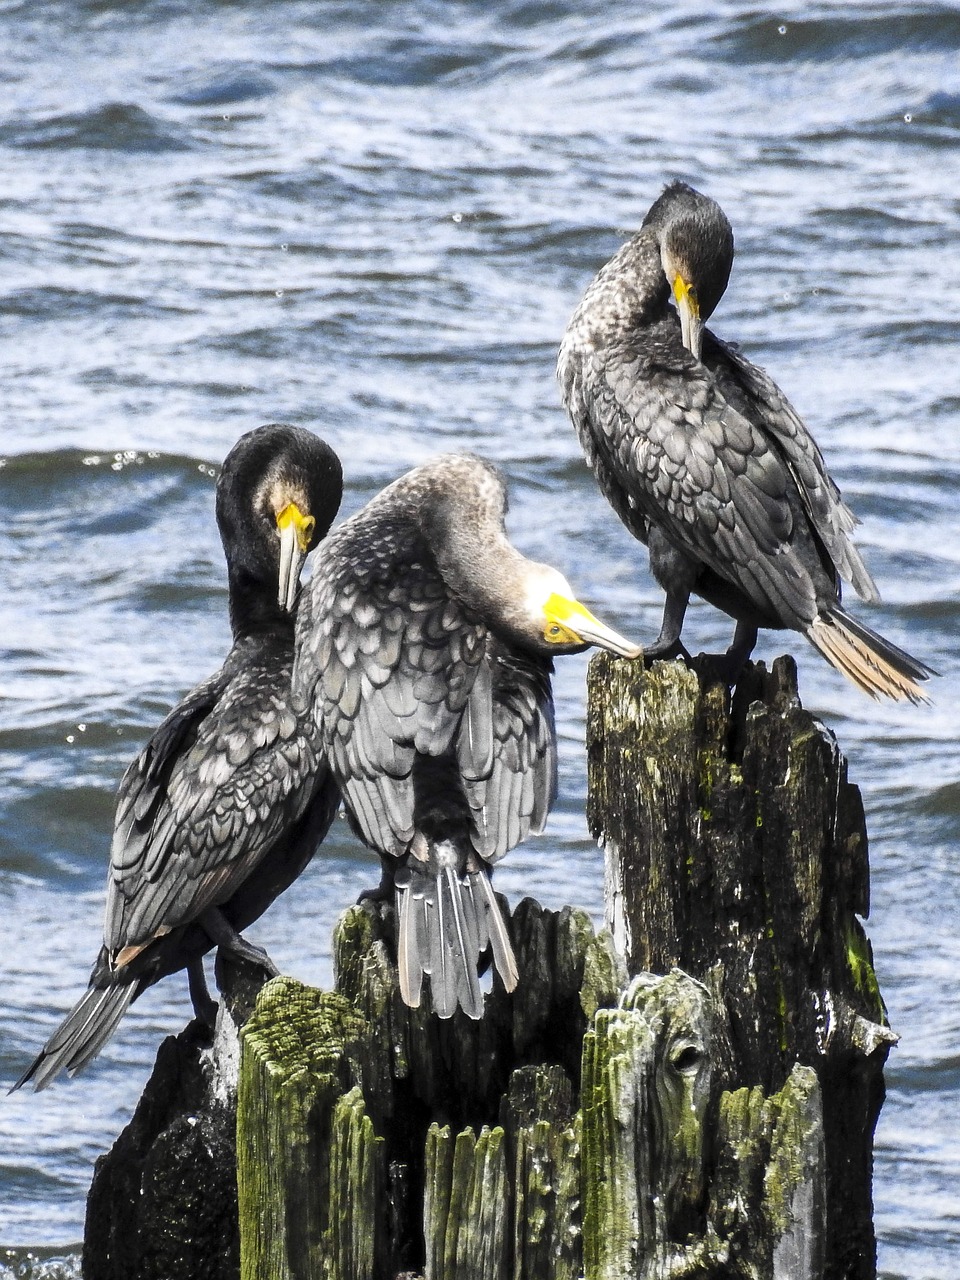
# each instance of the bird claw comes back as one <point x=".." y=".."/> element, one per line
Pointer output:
<point x="660" y="651"/>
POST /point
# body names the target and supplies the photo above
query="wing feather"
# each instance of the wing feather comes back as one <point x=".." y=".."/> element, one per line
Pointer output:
<point x="402" y="658"/>
<point x="757" y="396"/>
<point x="208" y="795"/>
<point x="669" y="450"/>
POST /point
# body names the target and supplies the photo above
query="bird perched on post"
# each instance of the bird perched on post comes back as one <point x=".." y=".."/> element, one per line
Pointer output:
<point x="704" y="459"/>
<point x="227" y="802"/>
<point x="424" y="649"/>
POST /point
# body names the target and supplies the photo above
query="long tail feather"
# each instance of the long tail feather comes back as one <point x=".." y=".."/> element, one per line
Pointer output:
<point x="81" y="1035"/>
<point x="874" y="665"/>
<point x="500" y="944"/>
<point x="446" y="920"/>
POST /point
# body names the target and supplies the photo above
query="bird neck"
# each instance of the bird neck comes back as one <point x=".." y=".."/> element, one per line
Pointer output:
<point x="628" y="292"/>
<point x="254" y="607"/>
<point x="485" y="572"/>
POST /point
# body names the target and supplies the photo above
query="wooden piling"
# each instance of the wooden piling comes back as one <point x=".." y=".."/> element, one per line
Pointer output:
<point x="736" y="849"/>
<point x="700" y="1105"/>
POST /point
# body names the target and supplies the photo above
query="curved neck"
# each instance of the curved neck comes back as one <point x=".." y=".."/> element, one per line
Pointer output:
<point x="629" y="291"/>
<point x="478" y="563"/>
<point x="254" y="605"/>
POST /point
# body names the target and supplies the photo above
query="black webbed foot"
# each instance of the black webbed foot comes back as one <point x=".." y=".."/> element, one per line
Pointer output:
<point x="383" y="892"/>
<point x="664" y="652"/>
<point x="222" y="932"/>
<point x="723" y="667"/>
<point x="728" y="667"/>
<point x="204" y="1005"/>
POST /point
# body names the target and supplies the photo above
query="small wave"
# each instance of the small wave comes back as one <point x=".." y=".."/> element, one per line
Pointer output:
<point x="55" y="467"/>
<point x="40" y="1264"/>
<point x="841" y="37"/>
<point x="940" y="112"/>
<point x="409" y="62"/>
<point x="225" y="90"/>
<point x="54" y="302"/>
<point x="115" y="126"/>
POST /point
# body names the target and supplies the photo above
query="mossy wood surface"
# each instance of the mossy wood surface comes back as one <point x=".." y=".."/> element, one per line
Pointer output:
<point x="515" y="1149"/>
<point x="737" y="850"/>
<point x="669" y="1126"/>
<point x="376" y="1140"/>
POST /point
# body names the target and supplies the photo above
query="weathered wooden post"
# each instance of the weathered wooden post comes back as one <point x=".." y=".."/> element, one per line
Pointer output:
<point x="737" y="850"/>
<point x="712" y="1116"/>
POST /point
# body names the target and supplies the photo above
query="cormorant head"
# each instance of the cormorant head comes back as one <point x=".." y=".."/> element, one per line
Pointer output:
<point x="696" y="250"/>
<point x="278" y="493"/>
<point x="561" y="622"/>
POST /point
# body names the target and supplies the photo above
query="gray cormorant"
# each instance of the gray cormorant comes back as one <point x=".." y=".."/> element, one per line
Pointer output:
<point x="227" y="802"/>
<point x="424" y="646"/>
<point x="704" y="459"/>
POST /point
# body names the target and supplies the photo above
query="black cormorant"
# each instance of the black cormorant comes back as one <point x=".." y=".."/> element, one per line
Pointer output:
<point x="227" y="802"/>
<point x="704" y="459"/>
<point x="424" y="645"/>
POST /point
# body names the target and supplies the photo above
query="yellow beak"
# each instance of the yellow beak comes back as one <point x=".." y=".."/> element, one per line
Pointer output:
<point x="691" y="326"/>
<point x="570" y="622"/>
<point x="295" y="531"/>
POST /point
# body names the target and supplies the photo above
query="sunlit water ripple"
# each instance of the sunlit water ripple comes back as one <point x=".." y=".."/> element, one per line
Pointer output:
<point x="375" y="222"/>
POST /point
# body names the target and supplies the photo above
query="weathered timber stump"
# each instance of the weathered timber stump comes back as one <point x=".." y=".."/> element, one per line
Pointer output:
<point x="691" y="1124"/>
<point x="736" y="849"/>
<point x="163" y="1201"/>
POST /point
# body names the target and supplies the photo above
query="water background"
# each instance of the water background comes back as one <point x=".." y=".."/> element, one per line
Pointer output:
<point x="375" y="220"/>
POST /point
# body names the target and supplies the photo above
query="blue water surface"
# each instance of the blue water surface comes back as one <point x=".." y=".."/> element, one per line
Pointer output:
<point x="375" y="220"/>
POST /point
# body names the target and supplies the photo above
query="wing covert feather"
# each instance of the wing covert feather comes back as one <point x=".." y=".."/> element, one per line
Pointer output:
<point x="401" y="660"/>
<point x="760" y="397"/>
<point x="686" y="460"/>
<point x="228" y="771"/>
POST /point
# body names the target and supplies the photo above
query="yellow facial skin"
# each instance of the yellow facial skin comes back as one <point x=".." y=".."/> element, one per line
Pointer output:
<point x="570" y="622"/>
<point x="686" y="296"/>
<point x="303" y="525"/>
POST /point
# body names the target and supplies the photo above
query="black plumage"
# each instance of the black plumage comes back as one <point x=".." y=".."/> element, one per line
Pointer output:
<point x="704" y="459"/>
<point x="424" y="648"/>
<point x="229" y="799"/>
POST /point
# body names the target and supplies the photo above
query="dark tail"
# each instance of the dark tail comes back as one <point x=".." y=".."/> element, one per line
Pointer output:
<point x="81" y="1036"/>
<point x="874" y="665"/>
<point x="447" y="919"/>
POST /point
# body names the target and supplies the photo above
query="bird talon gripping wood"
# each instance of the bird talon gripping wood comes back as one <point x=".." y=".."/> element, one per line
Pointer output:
<point x="703" y="458"/>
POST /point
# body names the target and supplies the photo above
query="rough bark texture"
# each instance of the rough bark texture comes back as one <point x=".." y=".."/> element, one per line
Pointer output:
<point x="163" y="1202"/>
<point x="737" y="850"/>
<point x="713" y="1125"/>
<point x="379" y="1140"/>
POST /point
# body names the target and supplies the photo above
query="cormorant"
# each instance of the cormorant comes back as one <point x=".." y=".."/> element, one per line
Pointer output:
<point x="227" y="802"/>
<point x="424" y="646"/>
<point x="704" y="460"/>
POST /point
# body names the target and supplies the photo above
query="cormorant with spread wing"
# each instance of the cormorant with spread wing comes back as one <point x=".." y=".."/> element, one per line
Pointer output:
<point x="424" y="647"/>
<point x="227" y="802"/>
<point x="704" y="459"/>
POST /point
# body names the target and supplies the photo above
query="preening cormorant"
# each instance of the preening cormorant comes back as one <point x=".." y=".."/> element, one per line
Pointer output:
<point x="424" y="646"/>
<point x="704" y="459"/>
<point x="227" y="802"/>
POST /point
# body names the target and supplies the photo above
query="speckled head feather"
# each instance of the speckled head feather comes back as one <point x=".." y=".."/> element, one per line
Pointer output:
<point x="696" y="241"/>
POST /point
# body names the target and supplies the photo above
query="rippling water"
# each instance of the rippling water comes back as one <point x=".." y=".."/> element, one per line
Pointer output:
<point x="376" y="222"/>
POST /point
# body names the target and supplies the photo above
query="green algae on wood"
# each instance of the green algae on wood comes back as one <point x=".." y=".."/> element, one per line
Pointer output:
<point x="736" y="849"/>
<point x="301" y="1051"/>
<point x="647" y="1081"/>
